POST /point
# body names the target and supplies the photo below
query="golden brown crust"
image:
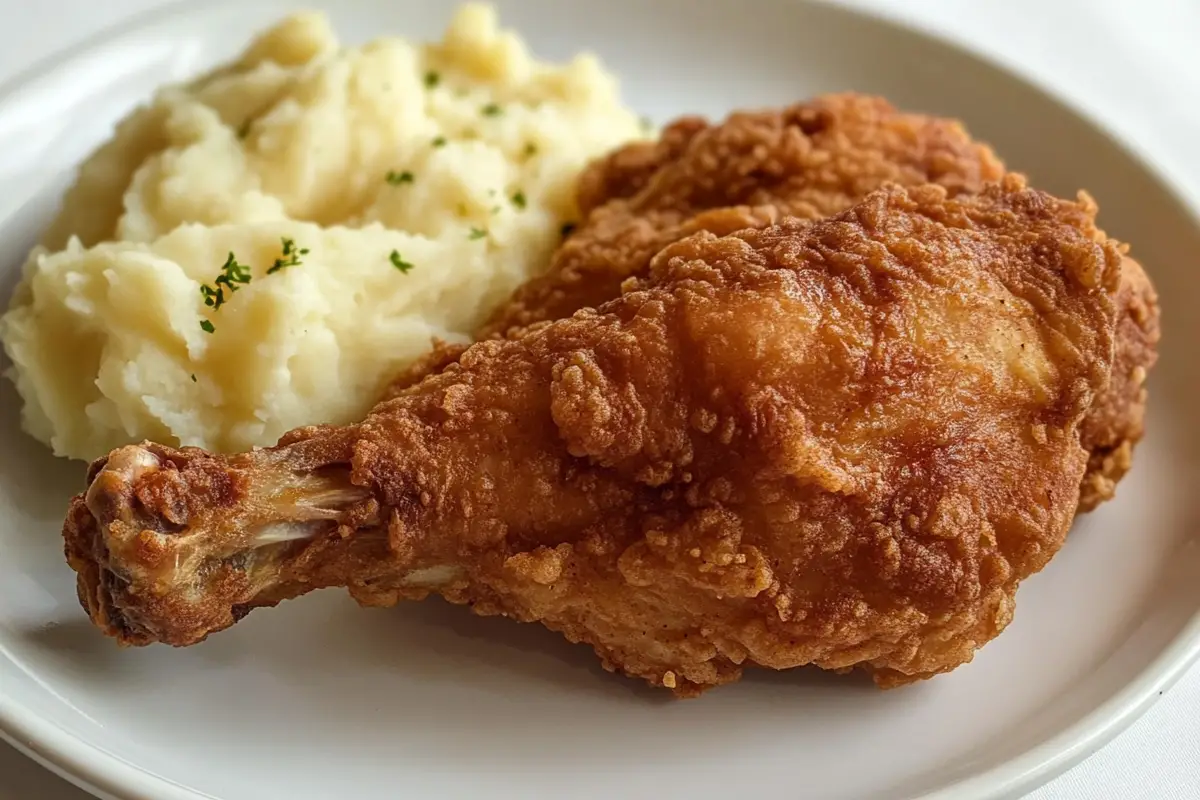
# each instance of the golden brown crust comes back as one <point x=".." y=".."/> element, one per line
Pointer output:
<point x="808" y="161"/>
<point x="1117" y="420"/>
<point x="843" y="444"/>
<point x="626" y="171"/>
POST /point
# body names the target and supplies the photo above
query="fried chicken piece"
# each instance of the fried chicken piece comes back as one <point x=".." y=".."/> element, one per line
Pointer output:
<point x="842" y="444"/>
<point x="808" y="160"/>
<point x="626" y="171"/>
<point x="1117" y="420"/>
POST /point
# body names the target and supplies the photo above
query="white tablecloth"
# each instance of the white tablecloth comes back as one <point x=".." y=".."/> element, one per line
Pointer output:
<point x="1132" y="63"/>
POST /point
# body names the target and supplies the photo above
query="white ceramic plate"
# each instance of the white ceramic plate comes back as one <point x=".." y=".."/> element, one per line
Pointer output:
<point x="322" y="699"/>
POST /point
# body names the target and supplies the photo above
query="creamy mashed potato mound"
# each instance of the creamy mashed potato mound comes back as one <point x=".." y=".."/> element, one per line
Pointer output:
<point x="406" y="190"/>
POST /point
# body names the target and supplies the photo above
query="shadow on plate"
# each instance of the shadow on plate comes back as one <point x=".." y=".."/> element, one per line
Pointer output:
<point x="432" y="645"/>
<point x="74" y="644"/>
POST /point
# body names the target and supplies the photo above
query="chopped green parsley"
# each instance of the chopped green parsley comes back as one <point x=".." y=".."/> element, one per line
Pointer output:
<point x="432" y="79"/>
<point x="235" y="274"/>
<point x="518" y="199"/>
<point x="397" y="178"/>
<point x="439" y="141"/>
<point x="290" y="258"/>
<point x="399" y="263"/>
<point x="477" y="233"/>
<point x="491" y="110"/>
<point x="232" y="276"/>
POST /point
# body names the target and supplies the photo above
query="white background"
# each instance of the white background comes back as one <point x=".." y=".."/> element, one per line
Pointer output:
<point x="1132" y="64"/>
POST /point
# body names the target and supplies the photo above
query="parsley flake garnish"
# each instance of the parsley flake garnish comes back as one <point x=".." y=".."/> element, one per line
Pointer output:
<point x="432" y="79"/>
<point x="491" y="110"/>
<point x="232" y="276"/>
<point x="439" y="141"/>
<point x="477" y="233"/>
<point x="399" y="263"/>
<point x="193" y="377"/>
<point x="244" y="130"/>
<point x="518" y="199"/>
<point x="206" y="326"/>
<point x="290" y="258"/>
<point x="397" y="178"/>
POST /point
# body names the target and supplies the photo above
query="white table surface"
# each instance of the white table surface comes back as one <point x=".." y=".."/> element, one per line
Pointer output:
<point x="1131" y="63"/>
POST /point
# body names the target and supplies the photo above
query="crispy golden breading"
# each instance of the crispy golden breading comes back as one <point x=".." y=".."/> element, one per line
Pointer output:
<point x="1117" y="420"/>
<point x="808" y="161"/>
<point x="842" y="444"/>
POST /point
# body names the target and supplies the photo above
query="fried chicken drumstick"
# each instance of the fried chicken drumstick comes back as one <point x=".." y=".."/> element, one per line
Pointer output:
<point x="842" y="444"/>
<point x="808" y="160"/>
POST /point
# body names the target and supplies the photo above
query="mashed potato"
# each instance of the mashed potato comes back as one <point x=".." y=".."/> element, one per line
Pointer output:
<point x="405" y="189"/>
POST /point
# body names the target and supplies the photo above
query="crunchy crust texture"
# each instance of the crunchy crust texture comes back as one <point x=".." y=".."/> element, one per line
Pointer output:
<point x="807" y="161"/>
<point x="843" y="444"/>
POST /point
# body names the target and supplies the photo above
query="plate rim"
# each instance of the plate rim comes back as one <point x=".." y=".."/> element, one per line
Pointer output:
<point x="110" y="777"/>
